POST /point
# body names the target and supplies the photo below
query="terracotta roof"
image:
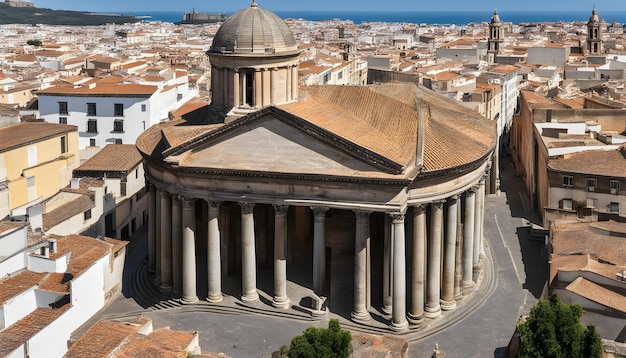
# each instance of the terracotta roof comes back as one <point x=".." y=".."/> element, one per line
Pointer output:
<point x="103" y="338"/>
<point x="102" y="89"/>
<point x="10" y="226"/>
<point x="79" y="205"/>
<point x="445" y="75"/>
<point x="18" y="283"/>
<point x="140" y="345"/>
<point x="56" y="282"/>
<point x="25" y="133"/>
<point x="598" y="294"/>
<point x="23" y="330"/>
<point x="190" y="106"/>
<point x="113" y="158"/>
<point x="610" y="163"/>
<point x="580" y="238"/>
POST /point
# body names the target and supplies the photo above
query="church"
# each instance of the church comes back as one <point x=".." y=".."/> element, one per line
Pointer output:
<point x="372" y="196"/>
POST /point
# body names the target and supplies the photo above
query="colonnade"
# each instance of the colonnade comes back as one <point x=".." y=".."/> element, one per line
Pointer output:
<point x="447" y="244"/>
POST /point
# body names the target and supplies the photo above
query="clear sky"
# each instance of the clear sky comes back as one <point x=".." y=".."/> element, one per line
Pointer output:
<point x="332" y="5"/>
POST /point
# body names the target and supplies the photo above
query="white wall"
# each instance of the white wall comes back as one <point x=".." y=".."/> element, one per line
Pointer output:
<point x="19" y="306"/>
<point x="13" y="264"/>
<point x="13" y="242"/>
<point x="41" y="264"/>
<point x="45" y="298"/>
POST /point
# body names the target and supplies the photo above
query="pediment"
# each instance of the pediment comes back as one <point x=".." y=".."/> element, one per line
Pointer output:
<point x="269" y="143"/>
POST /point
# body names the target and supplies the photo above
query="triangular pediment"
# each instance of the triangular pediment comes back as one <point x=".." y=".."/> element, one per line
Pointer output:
<point x="269" y="142"/>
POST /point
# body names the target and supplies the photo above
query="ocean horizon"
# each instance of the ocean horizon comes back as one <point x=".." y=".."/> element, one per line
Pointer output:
<point x="415" y="17"/>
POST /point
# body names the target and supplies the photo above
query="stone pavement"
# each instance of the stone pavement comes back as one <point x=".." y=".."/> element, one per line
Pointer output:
<point x="481" y="326"/>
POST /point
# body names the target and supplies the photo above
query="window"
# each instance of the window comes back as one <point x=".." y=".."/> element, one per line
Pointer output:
<point x="566" y="204"/>
<point x="30" y="181"/>
<point x="63" y="145"/>
<point x="91" y="109"/>
<point x="136" y="173"/>
<point x="87" y="214"/>
<point x="567" y="180"/>
<point x="118" y="125"/>
<point x="118" y="140"/>
<point x="326" y="78"/>
<point x="62" y="120"/>
<point x="339" y="75"/>
<point x="591" y="184"/>
<point x="92" y="142"/>
<point x="123" y="188"/>
<point x="63" y="108"/>
<point x="118" y="110"/>
<point x="614" y="207"/>
<point x="92" y="126"/>
<point x="179" y="96"/>
<point x="143" y="107"/>
<point x="614" y="186"/>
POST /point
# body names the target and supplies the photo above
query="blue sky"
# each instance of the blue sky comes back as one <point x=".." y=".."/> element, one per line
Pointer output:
<point x="333" y="5"/>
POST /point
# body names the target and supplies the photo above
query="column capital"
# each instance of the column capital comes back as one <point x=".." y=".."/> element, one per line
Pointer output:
<point x="362" y="214"/>
<point x="319" y="211"/>
<point x="164" y="194"/>
<point x="396" y="218"/>
<point x="280" y="208"/>
<point x="438" y="203"/>
<point x="213" y="203"/>
<point x="455" y="197"/>
<point x="473" y="189"/>
<point x="246" y="206"/>
<point x="420" y="208"/>
<point x="188" y="203"/>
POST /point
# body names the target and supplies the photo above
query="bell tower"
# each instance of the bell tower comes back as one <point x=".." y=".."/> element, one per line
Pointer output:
<point x="496" y="37"/>
<point x="594" y="34"/>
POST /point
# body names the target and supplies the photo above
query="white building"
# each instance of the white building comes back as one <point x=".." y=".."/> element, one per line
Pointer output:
<point x="110" y="112"/>
<point x="54" y="289"/>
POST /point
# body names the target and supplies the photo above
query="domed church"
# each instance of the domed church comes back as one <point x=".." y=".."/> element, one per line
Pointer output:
<point x="369" y="196"/>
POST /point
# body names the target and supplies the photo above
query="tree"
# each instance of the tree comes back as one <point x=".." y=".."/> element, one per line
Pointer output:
<point x="553" y="330"/>
<point x="331" y="342"/>
<point x="35" y="43"/>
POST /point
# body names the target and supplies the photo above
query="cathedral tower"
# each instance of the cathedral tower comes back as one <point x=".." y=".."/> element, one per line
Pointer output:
<point x="594" y="34"/>
<point x="496" y="37"/>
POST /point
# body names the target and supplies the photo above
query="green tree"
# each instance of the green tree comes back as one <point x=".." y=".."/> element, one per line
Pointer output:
<point x="36" y="43"/>
<point x="331" y="342"/>
<point x="553" y="330"/>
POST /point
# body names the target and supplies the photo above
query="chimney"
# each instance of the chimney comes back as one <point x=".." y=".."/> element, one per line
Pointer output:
<point x="44" y="251"/>
<point x="52" y="245"/>
<point x="75" y="183"/>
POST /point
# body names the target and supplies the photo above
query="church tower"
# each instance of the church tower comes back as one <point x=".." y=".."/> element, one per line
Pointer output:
<point x="594" y="34"/>
<point x="496" y="37"/>
<point x="254" y="63"/>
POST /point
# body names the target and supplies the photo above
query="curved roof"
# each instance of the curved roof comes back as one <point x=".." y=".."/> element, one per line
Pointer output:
<point x="495" y="19"/>
<point x="594" y="16"/>
<point x="253" y="31"/>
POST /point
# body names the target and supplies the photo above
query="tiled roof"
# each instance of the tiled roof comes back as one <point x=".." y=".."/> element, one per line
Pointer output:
<point x="104" y="338"/>
<point x="11" y="225"/>
<point x="609" y="163"/>
<point x="161" y="343"/>
<point x="25" y="133"/>
<point x="113" y="158"/>
<point x="56" y="282"/>
<point x="79" y="205"/>
<point x="102" y="89"/>
<point x="598" y="294"/>
<point x="21" y="331"/>
<point x="18" y="283"/>
<point x="580" y="238"/>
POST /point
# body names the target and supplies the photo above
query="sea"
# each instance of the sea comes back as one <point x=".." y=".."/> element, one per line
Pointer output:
<point x="415" y="17"/>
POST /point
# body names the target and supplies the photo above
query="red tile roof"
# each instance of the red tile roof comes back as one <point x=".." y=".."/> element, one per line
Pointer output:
<point x="25" y="133"/>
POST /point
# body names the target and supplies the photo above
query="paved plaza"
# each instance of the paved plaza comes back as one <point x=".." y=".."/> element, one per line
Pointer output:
<point x="481" y="326"/>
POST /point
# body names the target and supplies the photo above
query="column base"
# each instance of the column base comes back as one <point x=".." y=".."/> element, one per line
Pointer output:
<point x="216" y="298"/>
<point x="157" y="281"/>
<point x="165" y="289"/>
<point x="448" y="305"/>
<point x="281" y="302"/>
<point x="176" y="294"/>
<point x="151" y="270"/>
<point x="400" y="326"/>
<point x="387" y="309"/>
<point x="415" y="320"/>
<point x="188" y="300"/>
<point x="468" y="287"/>
<point x="433" y="312"/>
<point x="360" y="317"/>
<point x="250" y="297"/>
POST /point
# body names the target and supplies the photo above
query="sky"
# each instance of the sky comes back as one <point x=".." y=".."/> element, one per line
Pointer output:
<point x="229" y="6"/>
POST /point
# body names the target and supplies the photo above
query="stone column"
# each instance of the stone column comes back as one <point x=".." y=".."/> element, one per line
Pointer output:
<point x="458" y="256"/>
<point x="361" y="278"/>
<point x="433" y="308"/>
<point x="477" y="224"/>
<point x="177" y="249"/>
<point x="319" y="248"/>
<point x="157" y="247"/>
<point x="166" y="243"/>
<point x="280" y="259"/>
<point x="248" y="254"/>
<point x="289" y="83"/>
<point x="387" y="267"/>
<point x="189" y="251"/>
<point x="398" y="321"/>
<point x="272" y="85"/>
<point x="447" y="293"/>
<point x="213" y="253"/>
<point x="294" y="86"/>
<point x="152" y="224"/>
<point x="236" y="86"/>
<point x="258" y="89"/>
<point x="483" y="192"/>
<point x="416" y="315"/>
<point x="468" y="239"/>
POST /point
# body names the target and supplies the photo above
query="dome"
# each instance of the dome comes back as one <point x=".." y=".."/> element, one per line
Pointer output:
<point x="495" y="19"/>
<point x="594" y="16"/>
<point x="253" y="31"/>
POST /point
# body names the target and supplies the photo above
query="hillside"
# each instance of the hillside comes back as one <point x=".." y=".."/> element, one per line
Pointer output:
<point x="33" y="15"/>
